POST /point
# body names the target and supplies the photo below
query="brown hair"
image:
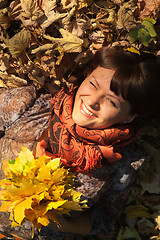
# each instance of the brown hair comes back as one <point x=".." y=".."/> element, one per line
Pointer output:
<point x="136" y="78"/>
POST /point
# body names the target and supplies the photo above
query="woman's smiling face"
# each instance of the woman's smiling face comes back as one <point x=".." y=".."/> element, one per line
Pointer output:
<point x="96" y="106"/>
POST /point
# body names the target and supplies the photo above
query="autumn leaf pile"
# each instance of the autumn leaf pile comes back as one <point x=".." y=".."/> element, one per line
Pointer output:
<point x="42" y="41"/>
<point x="37" y="190"/>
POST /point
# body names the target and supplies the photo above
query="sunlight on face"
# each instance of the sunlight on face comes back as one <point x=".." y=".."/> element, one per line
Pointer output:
<point x="96" y="106"/>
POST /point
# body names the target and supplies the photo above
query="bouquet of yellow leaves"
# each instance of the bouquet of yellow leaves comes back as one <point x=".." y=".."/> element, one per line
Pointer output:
<point x="35" y="187"/>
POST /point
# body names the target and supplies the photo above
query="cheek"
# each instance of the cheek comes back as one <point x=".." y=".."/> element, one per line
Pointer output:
<point x="111" y="115"/>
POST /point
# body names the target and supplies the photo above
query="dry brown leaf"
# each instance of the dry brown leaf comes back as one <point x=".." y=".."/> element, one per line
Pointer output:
<point x="152" y="187"/>
<point x="125" y="17"/>
<point x="48" y="5"/>
<point x="150" y="8"/>
<point x="43" y="48"/>
<point x="145" y="226"/>
<point x="4" y="19"/>
<point x="69" y="42"/>
<point x="84" y="3"/>
<point x="15" y="10"/>
<point x="18" y="43"/>
<point x="65" y="22"/>
<point x="80" y="26"/>
<point x="157" y="219"/>
<point x="2" y="85"/>
<point x="67" y="4"/>
<point x="97" y="38"/>
<point x="3" y="3"/>
<point x="31" y="9"/>
<point x="11" y="81"/>
<point x="52" y="16"/>
<point x="49" y="8"/>
<point x="4" y="62"/>
<point x="106" y="19"/>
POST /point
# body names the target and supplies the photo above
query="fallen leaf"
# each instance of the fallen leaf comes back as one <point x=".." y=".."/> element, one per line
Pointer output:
<point x="31" y="9"/>
<point x="157" y="219"/>
<point x="126" y="233"/>
<point x="132" y="50"/>
<point x="145" y="226"/>
<point x="106" y="19"/>
<point x="44" y="47"/>
<point x="69" y="42"/>
<point x="149" y="8"/>
<point x="125" y="17"/>
<point x="80" y="26"/>
<point x="48" y="5"/>
<point x="134" y="211"/>
<point x="18" y="43"/>
<point x="67" y="4"/>
<point x="84" y="3"/>
<point x="151" y="187"/>
<point x="4" y="19"/>
<point x="52" y="16"/>
<point x="11" y="81"/>
<point x="15" y="10"/>
<point x="3" y="3"/>
<point x="149" y="25"/>
<point x="36" y="186"/>
<point x="4" y="62"/>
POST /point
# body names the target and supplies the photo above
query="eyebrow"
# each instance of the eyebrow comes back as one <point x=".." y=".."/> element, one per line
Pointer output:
<point x="115" y="98"/>
<point x="96" y="81"/>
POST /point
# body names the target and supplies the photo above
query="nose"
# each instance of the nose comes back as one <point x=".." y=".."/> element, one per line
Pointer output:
<point x="94" y="103"/>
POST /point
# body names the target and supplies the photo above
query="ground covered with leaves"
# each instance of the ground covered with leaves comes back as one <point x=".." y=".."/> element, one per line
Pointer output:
<point x="41" y="43"/>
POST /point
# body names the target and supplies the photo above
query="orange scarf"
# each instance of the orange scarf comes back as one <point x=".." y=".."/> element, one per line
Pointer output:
<point x="80" y="149"/>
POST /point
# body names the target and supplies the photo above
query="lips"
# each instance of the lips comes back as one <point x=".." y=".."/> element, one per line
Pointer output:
<point x="85" y="111"/>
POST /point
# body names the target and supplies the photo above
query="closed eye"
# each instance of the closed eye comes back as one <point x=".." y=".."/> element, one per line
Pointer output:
<point x="92" y="84"/>
<point x="113" y="103"/>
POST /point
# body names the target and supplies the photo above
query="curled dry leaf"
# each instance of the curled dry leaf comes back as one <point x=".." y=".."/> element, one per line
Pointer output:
<point x="50" y="11"/>
<point x="150" y="8"/>
<point x="15" y="10"/>
<point x="125" y="16"/>
<point x="67" y="4"/>
<point x="48" y="5"/>
<point x="69" y="42"/>
<point x="152" y="187"/>
<point x="31" y="9"/>
<point x="11" y="81"/>
<point x="4" y="62"/>
<point x="3" y="3"/>
<point x="4" y="19"/>
<point x="84" y="3"/>
<point x="80" y="26"/>
<point x="52" y="16"/>
<point x="18" y="43"/>
<point x="44" y="47"/>
<point x="106" y="18"/>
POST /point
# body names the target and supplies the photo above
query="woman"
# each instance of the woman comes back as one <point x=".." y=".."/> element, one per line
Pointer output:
<point x="89" y="125"/>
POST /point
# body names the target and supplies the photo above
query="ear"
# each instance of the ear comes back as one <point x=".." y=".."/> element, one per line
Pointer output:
<point x="130" y="118"/>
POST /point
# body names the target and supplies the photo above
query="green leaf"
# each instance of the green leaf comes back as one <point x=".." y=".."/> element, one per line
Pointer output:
<point x="151" y="20"/>
<point x="144" y="36"/>
<point x="11" y="161"/>
<point x="126" y="233"/>
<point x="149" y="25"/>
<point x="133" y="34"/>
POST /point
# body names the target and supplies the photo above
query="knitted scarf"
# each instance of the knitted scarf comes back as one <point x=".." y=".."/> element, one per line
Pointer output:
<point x="80" y="149"/>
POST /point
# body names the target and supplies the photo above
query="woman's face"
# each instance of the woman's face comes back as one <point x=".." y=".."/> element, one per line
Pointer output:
<point x="96" y="106"/>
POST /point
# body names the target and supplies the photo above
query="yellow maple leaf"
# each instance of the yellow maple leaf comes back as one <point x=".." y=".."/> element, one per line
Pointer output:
<point x="35" y="187"/>
<point x="19" y="210"/>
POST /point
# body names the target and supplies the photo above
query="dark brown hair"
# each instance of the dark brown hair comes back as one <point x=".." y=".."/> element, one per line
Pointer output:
<point x="136" y="78"/>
